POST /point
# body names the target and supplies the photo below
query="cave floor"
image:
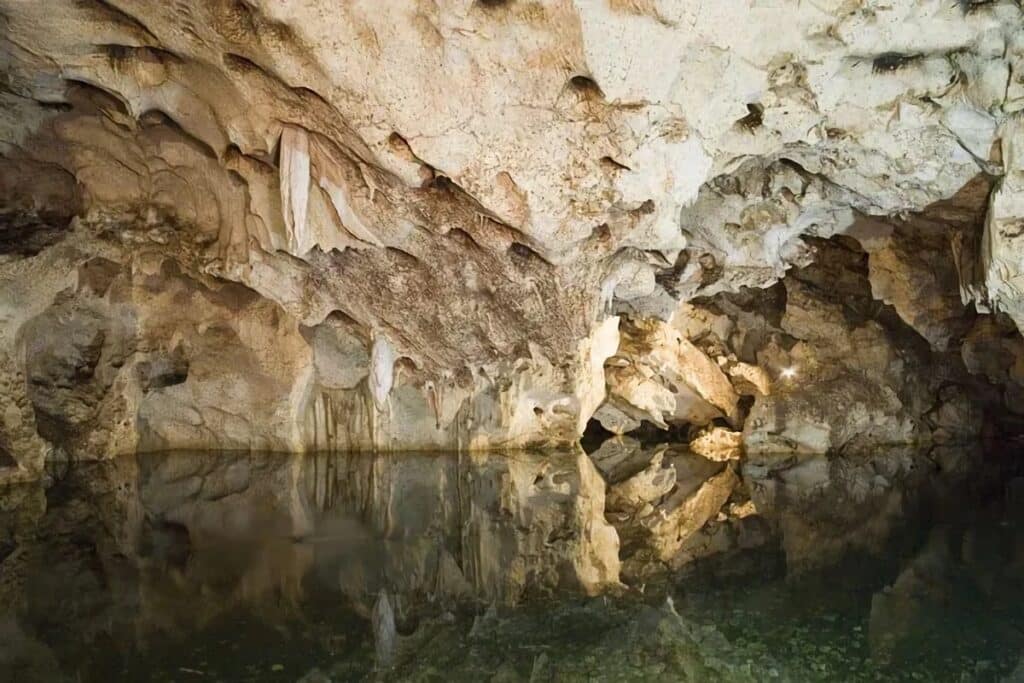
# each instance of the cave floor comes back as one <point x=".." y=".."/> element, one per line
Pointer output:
<point x="187" y="567"/>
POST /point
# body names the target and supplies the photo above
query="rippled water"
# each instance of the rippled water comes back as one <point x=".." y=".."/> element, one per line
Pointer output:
<point x="230" y="567"/>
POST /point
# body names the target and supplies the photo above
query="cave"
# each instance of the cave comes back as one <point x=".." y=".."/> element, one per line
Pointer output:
<point x="511" y="340"/>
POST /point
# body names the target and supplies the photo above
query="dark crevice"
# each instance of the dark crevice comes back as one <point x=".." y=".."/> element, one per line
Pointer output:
<point x="234" y="153"/>
<point x="162" y="372"/>
<point x="463" y="238"/>
<point x="522" y="254"/>
<point x="118" y="54"/>
<point x="245" y="66"/>
<point x="646" y="207"/>
<point x="28" y="233"/>
<point x="586" y="86"/>
<point x="754" y="118"/>
<point x="594" y="435"/>
<point x="401" y="147"/>
<point x="969" y="6"/>
<point x="442" y="183"/>
<point x="650" y="435"/>
<point x="888" y="62"/>
<point x="238" y="63"/>
<point x="612" y="164"/>
<point x="6" y="460"/>
<point x="60" y="107"/>
<point x="85" y="93"/>
<point x="401" y="257"/>
<point x="7" y="548"/>
<point x="308" y="94"/>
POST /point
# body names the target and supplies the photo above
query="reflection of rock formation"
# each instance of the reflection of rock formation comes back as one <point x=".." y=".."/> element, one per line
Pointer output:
<point x="490" y="527"/>
<point x="133" y="555"/>
<point x="172" y="542"/>
<point x="672" y="506"/>
<point x="969" y="567"/>
<point x="902" y="609"/>
<point x="421" y="528"/>
<point x="664" y="502"/>
<point x="824" y="508"/>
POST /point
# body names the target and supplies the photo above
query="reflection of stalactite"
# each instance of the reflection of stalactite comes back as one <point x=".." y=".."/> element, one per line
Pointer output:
<point x="324" y="480"/>
<point x="385" y="635"/>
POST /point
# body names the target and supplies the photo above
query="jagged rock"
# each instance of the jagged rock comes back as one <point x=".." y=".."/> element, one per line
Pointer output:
<point x="615" y="420"/>
<point x="522" y="169"/>
<point x="619" y="458"/>
<point x="999" y="257"/>
<point x="750" y="380"/>
<point x="924" y="264"/>
<point x="664" y="378"/>
<point x="718" y="443"/>
<point x="642" y="489"/>
<point x="837" y="385"/>
<point x="422" y="226"/>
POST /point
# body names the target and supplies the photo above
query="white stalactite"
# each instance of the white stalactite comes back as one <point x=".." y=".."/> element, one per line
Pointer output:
<point x="295" y="188"/>
<point x="382" y="370"/>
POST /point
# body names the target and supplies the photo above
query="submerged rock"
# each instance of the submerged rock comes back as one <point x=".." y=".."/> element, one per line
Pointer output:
<point x="385" y="636"/>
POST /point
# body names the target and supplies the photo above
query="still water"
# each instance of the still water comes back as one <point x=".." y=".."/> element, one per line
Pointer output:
<point x="262" y="567"/>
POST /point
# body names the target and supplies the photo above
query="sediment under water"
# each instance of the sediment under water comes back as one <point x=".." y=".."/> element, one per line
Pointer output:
<point x="263" y="567"/>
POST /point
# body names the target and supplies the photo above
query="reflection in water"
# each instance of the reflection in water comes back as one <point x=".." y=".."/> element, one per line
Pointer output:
<point x="182" y="566"/>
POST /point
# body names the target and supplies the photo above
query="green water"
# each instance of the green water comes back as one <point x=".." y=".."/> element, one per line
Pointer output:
<point x="246" y="568"/>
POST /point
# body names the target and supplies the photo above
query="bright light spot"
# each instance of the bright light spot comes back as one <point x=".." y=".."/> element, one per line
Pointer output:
<point x="788" y="373"/>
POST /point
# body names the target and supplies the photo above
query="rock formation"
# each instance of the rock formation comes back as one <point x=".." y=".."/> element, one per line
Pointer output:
<point x="766" y="230"/>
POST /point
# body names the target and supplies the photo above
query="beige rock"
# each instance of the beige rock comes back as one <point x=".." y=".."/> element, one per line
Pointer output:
<point x="999" y="256"/>
<point x="718" y="443"/>
<point x="665" y="378"/>
<point x="643" y="488"/>
<point x="395" y="225"/>
<point x="681" y="515"/>
<point x="750" y="379"/>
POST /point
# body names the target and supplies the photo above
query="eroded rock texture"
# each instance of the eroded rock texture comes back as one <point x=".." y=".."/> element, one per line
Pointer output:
<point x="478" y="225"/>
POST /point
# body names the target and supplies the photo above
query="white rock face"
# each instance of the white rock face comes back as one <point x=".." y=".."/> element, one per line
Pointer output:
<point x="1001" y="257"/>
<point x="495" y="189"/>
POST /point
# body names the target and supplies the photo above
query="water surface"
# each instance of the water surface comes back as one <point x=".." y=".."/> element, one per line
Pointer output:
<point x="263" y="567"/>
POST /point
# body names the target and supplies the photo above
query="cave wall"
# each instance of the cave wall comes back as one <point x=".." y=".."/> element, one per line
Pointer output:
<point x="467" y="224"/>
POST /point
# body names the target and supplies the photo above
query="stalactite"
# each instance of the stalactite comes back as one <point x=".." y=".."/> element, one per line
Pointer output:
<point x="295" y="178"/>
